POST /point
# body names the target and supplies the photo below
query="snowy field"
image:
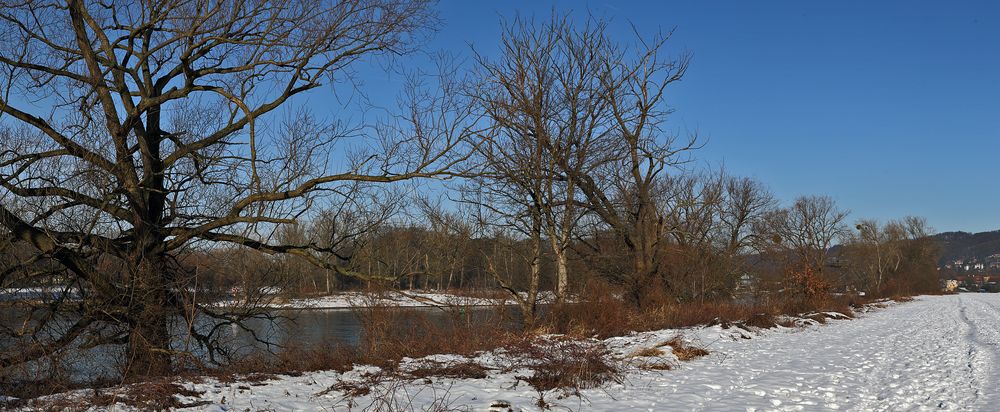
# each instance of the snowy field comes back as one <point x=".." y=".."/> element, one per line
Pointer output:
<point x="935" y="353"/>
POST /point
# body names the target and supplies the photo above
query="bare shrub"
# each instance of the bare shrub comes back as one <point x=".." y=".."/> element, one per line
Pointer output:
<point x="390" y="392"/>
<point x="458" y="370"/>
<point x="396" y="396"/>
<point x="598" y="313"/>
<point x="564" y="363"/>
<point x="337" y="357"/>
<point x="761" y="320"/>
<point x="356" y="387"/>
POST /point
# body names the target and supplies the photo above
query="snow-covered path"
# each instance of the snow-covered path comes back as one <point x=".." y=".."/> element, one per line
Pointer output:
<point x="937" y="352"/>
<point x="933" y="353"/>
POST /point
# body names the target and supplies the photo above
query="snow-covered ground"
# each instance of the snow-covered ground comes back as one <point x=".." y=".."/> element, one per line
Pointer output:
<point x="936" y="352"/>
<point x="400" y="299"/>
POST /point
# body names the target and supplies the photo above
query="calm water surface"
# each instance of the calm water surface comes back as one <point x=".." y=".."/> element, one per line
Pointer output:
<point x="297" y="327"/>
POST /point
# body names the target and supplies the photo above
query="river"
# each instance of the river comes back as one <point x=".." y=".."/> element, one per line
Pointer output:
<point x="303" y="328"/>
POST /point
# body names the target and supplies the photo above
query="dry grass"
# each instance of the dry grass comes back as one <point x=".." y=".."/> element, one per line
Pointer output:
<point x="657" y="366"/>
<point x="460" y="370"/>
<point x="357" y="387"/>
<point x="683" y="351"/>
<point x="391" y="392"/>
<point x="650" y="359"/>
<point x="158" y="395"/>
<point x="602" y="313"/>
<point x="647" y="352"/>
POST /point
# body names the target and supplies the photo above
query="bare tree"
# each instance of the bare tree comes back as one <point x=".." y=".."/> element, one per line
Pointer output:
<point x="134" y="130"/>
<point x="878" y="253"/>
<point x="449" y="242"/>
<point x="516" y="182"/>
<point x="510" y="194"/>
<point x="744" y="205"/>
<point x="346" y="228"/>
<point x="695" y="267"/>
<point x="595" y="111"/>
<point x="805" y="231"/>
<point x="882" y="245"/>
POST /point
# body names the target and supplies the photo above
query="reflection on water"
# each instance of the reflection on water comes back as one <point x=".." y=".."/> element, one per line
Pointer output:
<point x="328" y="327"/>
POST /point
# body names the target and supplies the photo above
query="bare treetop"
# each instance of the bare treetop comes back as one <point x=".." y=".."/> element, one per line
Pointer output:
<point x="131" y="130"/>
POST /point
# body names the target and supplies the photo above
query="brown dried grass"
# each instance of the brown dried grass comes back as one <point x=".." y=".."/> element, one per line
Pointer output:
<point x="602" y="313"/>
<point x="459" y="370"/>
<point x="647" y="352"/>
<point x="684" y="351"/>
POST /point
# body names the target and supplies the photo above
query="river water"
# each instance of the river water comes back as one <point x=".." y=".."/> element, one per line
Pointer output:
<point x="304" y="328"/>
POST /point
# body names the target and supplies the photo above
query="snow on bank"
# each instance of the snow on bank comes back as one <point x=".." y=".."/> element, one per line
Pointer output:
<point x="399" y="299"/>
<point x="344" y="300"/>
<point x="936" y="352"/>
<point x="933" y="353"/>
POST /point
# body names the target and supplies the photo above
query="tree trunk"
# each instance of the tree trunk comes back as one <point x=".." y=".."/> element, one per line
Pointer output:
<point x="562" y="272"/>
<point x="328" y="291"/>
<point x="645" y="238"/>
<point x="536" y="276"/>
<point x="148" y="350"/>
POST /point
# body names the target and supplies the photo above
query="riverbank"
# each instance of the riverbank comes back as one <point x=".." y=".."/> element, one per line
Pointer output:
<point x="341" y="300"/>
<point x="935" y="352"/>
<point x="402" y="299"/>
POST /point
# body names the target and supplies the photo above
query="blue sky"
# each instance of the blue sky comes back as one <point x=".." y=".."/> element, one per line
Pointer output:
<point x="891" y="108"/>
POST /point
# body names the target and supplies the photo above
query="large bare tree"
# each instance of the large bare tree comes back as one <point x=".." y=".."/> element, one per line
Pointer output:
<point x="132" y="130"/>
<point x="596" y="109"/>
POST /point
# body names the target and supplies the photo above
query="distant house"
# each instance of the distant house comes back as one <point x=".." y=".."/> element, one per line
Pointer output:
<point x="951" y="285"/>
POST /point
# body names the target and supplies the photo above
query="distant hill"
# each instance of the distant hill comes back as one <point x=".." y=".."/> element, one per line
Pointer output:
<point x="968" y="246"/>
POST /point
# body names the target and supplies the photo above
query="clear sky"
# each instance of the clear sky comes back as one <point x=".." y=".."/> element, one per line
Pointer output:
<point x="891" y="108"/>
